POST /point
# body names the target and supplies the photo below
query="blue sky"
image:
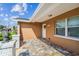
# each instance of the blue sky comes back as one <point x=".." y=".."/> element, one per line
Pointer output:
<point x="15" y="10"/>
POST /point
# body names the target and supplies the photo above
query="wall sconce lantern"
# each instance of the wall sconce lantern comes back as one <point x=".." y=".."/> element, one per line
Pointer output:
<point x="48" y="25"/>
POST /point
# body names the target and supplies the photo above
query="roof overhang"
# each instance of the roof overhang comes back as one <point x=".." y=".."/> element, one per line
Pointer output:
<point x="47" y="11"/>
<point x="21" y="20"/>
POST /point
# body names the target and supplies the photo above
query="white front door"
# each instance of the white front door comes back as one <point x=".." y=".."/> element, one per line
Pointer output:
<point x="44" y="31"/>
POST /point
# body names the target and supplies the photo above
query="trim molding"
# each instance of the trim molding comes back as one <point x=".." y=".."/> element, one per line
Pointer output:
<point x="70" y="38"/>
<point x="36" y="11"/>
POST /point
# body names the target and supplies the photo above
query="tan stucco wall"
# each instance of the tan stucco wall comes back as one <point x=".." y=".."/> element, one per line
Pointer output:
<point x="70" y="45"/>
<point x="30" y="30"/>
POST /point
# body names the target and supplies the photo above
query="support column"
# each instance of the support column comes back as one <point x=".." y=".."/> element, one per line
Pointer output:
<point x="18" y="29"/>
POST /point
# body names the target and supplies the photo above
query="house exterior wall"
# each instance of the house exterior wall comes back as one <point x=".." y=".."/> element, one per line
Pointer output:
<point x="34" y="30"/>
<point x="30" y="30"/>
<point x="70" y="45"/>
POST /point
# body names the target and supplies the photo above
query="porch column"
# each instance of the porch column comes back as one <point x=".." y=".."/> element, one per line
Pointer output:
<point x="18" y="29"/>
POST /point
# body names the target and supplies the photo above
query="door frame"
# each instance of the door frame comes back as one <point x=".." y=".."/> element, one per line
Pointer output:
<point x="43" y="30"/>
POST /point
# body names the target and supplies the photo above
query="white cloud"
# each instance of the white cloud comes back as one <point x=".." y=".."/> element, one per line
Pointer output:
<point x="14" y="17"/>
<point x="19" y="8"/>
<point x="6" y="19"/>
<point x="25" y="6"/>
<point x="1" y="15"/>
<point x="6" y="15"/>
<point x="1" y="9"/>
<point x="21" y="13"/>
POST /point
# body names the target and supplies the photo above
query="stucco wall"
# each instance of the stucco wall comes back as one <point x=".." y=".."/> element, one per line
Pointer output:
<point x="30" y="30"/>
<point x="68" y="44"/>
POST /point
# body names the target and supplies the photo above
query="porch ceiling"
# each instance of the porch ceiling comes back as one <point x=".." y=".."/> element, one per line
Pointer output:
<point x="46" y="11"/>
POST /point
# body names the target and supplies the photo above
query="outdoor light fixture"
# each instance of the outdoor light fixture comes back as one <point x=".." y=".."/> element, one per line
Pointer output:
<point x="48" y="25"/>
<point x="50" y="15"/>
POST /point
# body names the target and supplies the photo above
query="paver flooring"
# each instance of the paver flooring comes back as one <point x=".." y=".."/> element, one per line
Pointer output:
<point x="37" y="48"/>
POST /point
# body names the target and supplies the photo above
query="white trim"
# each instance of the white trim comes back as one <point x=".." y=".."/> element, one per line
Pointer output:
<point x="18" y="20"/>
<point x="71" y="38"/>
<point x="66" y="28"/>
<point x="43" y="31"/>
<point x="36" y="11"/>
<point x="72" y="26"/>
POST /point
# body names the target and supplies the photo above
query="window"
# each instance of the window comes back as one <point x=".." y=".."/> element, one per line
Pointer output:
<point x="73" y="26"/>
<point x="60" y="27"/>
<point x="68" y="27"/>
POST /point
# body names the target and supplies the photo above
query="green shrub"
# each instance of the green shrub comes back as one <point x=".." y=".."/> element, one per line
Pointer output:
<point x="10" y="35"/>
<point x="1" y="38"/>
<point x="13" y="32"/>
<point x="0" y="34"/>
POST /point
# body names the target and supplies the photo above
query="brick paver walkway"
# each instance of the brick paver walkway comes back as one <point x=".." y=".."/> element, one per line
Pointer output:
<point x="37" y="48"/>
